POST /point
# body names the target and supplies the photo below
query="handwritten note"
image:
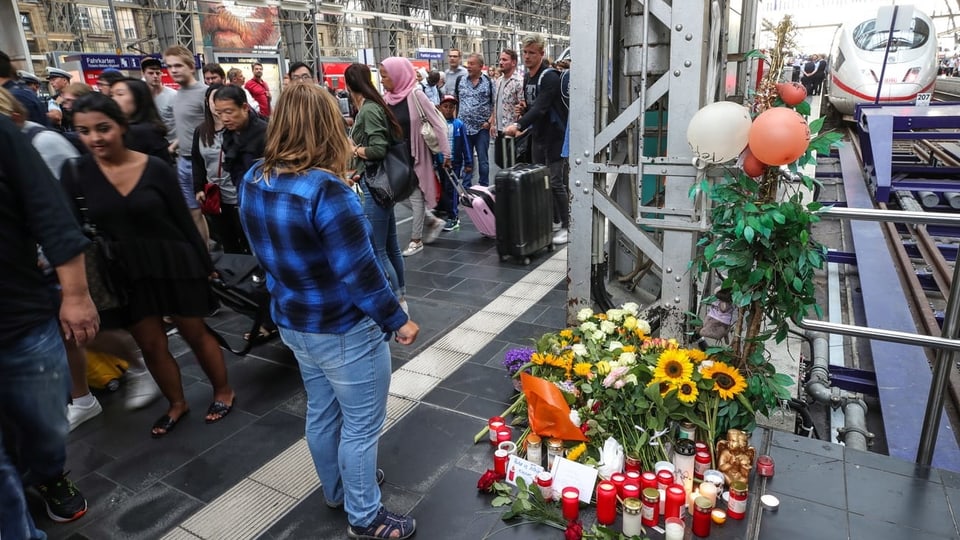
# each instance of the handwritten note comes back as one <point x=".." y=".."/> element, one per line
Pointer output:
<point x="570" y="473"/>
<point x="527" y="470"/>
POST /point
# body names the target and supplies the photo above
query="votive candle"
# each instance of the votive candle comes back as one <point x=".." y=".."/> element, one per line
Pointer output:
<point x="606" y="503"/>
<point x="673" y="529"/>
<point x="500" y="458"/>
<point x="494" y="425"/>
<point x="648" y="480"/>
<point x="701" y="517"/>
<point x="618" y="479"/>
<point x="709" y="491"/>
<point x="632" y="520"/>
<point x="504" y="434"/>
<point x="570" y="503"/>
<point x="675" y="497"/>
<point x="631" y="491"/>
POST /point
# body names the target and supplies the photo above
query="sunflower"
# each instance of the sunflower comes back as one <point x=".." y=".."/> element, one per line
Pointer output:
<point x="674" y="366"/>
<point x="582" y="369"/>
<point x="696" y="355"/>
<point x="665" y="386"/>
<point x="574" y="453"/>
<point x="540" y="359"/>
<point x="726" y="379"/>
<point x="687" y="392"/>
<point x="566" y="334"/>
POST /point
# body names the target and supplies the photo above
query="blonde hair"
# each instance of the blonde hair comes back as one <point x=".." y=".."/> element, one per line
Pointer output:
<point x="77" y="89"/>
<point x="182" y="52"/>
<point x="9" y="105"/>
<point x="535" y="39"/>
<point x="306" y="132"/>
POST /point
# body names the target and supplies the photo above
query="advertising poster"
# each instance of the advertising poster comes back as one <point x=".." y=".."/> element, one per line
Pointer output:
<point x="271" y="69"/>
<point x="227" y="26"/>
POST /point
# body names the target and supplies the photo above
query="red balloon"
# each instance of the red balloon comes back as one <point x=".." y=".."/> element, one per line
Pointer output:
<point x="752" y="166"/>
<point x="779" y="136"/>
<point x="792" y="93"/>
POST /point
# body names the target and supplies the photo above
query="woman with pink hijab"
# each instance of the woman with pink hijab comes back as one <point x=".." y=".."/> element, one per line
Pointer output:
<point x="399" y="81"/>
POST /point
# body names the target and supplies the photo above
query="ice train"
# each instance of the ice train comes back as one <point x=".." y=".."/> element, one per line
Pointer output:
<point x="856" y="61"/>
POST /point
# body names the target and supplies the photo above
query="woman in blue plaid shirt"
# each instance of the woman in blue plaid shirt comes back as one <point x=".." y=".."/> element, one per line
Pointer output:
<point x="330" y="299"/>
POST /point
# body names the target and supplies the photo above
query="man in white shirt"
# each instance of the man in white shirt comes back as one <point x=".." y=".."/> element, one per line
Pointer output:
<point x="235" y="77"/>
<point x="163" y="96"/>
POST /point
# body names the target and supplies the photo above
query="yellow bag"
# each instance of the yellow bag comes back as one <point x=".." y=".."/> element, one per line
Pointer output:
<point x="104" y="370"/>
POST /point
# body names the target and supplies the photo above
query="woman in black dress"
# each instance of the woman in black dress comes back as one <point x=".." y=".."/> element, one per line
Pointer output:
<point x="146" y="132"/>
<point x="134" y="200"/>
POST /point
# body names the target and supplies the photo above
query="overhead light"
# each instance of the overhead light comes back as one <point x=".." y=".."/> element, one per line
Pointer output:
<point x="499" y="9"/>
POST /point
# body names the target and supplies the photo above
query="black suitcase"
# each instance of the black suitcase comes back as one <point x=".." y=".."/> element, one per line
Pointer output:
<point x="524" y="211"/>
<point x="508" y="151"/>
<point x="241" y="285"/>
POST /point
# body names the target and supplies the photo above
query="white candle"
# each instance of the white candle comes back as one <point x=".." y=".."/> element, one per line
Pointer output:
<point x="709" y="491"/>
<point x="673" y="529"/>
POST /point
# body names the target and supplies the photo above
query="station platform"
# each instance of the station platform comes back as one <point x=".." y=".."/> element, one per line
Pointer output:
<point x="250" y="475"/>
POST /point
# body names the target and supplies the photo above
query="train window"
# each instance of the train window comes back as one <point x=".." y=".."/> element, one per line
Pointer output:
<point x="869" y="38"/>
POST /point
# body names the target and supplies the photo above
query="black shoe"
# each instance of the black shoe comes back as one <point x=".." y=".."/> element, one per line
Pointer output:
<point x="63" y="500"/>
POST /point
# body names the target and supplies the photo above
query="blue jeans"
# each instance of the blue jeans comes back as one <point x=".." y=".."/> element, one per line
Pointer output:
<point x="185" y="178"/>
<point x="481" y="142"/>
<point x="347" y="377"/>
<point x="34" y="388"/>
<point x="449" y="200"/>
<point x="385" y="241"/>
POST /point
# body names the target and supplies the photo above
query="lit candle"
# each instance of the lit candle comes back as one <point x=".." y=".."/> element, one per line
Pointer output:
<point x="648" y="480"/>
<point x="718" y="516"/>
<point x="709" y="491"/>
<point x="675" y="498"/>
<point x="500" y="458"/>
<point x="504" y="434"/>
<point x="631" y="491"/>
<point x="664" y="479"/>
<point x="606" y="503"/>
<point x="545" y="481"/>
<point x="690" y="498"/>
<point x="673" y="529"/>
<point x="494" y="424"/>
<point x="684" y="460"/>
<point x="509" y="446"/>
<point x="618" y="479"/>
<point x="571" y="503"/>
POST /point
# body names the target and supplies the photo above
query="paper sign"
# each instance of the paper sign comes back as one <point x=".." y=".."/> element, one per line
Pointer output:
<point x="527" y="470"/>
<point x="570" y="473"/>
<point x="923" y="99"/>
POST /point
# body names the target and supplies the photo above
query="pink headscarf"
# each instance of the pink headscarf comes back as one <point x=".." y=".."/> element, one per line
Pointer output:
<point x="403" y="76"/>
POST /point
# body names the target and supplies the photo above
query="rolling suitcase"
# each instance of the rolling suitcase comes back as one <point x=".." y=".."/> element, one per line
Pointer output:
<point x="479" y="203"/>
<point x="524" y="211"/>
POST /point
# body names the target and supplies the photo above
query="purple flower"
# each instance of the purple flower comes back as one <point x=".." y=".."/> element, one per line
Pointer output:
<point x="514" y="359"/>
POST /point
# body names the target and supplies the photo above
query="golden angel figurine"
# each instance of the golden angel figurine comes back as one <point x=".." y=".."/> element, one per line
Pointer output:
<point x="735" y="456"/>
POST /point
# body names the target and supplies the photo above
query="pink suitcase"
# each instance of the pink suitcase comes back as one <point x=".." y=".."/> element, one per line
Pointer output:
<point x="478" y="202"/>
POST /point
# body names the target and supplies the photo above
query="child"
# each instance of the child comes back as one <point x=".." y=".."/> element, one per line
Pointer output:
<point x="461" y="159"/>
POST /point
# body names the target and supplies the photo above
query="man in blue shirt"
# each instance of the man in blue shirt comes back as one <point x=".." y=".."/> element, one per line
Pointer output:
<point x="476" y="96"/>
<point x="36" y="111"/>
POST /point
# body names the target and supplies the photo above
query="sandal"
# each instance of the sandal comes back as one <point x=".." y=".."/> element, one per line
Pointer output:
<point x="263" y="335"/>
<point x="384" y="526"/>
<point x="166" y="424"/>
<point x="220" y="409"/>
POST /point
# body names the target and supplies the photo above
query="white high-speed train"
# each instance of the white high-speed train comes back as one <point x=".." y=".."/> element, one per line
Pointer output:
<point x="856" y="62"/>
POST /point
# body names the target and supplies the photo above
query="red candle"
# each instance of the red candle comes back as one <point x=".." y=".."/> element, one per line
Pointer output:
<point x="618" y="479"/>
<point x="700" y="464"/>
<point x="504" y="434"/>
<point x="606" y="503"/>
<point x="631" y="464"/>
<point x="494" y="425"/>
<point x="648" y="480"/>
<point x="701" y="517"/>
<point x="571" y="503"/>
<point x="701" y="446"/>
<point x="500" y="458"/>
<point x="630" y="491"/>
<point x="664" y="479"/>
<point x="650" y="511"/>
<point x="676" y="497"/>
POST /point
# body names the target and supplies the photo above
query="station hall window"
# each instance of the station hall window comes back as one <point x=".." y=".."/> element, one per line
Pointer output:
<point x="26" y="22"/>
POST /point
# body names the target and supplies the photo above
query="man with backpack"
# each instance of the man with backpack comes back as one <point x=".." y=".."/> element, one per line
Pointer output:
<point x="544" y="111"/>
<point x="475" y="94"/>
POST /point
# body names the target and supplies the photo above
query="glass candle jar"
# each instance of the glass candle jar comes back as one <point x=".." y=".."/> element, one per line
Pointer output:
<point x="632" y="520"/>
<point x="534" y="448"/>
<point x="554" y="449"/>
<point x="683" y="462"/>
<point x="631" y="491"/>
<point x="673" y="528"/>
<point x="631" y="464"/>
<point x="701" y="517"/>
<point x="570" y="503"/>
<point x="709" y="491"/>
<point x="545" y="483"/>
<point x="495" y="426"/>
<point x="737" y="505"/>
<point x="714" y="477"/>
<point x="618" y="479"/>
<point x="606" y="503"/>
<point x="500" y="458"/>
<point x="647" y="480"/>
<point x="675" y="498"/>
<point x="664" y="479"/>
<point x="650" y="513"/>
<point x="509" y="446"/>
<point x="687" y="430"/>
<point x="504" y="434"/>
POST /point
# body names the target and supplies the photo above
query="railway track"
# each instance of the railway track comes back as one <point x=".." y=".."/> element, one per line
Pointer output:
<point x="924" y="303"/>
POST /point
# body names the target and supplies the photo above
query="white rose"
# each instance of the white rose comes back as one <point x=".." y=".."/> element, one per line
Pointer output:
<point x="628" y="358"/>
<point x="608" y="327"/>
<point x="584" y="314"/>
<point x="579" y="349"/>
<point x="704" y="365"/>
<point x="643" y="326"/>
<point x="588" y="327"/>
<point x="575" y="417"/>
<point x="614" y="345"/>
<point x="598" y="336"/>
<point x="631" y="307"/>
<point x="615" y="314"/>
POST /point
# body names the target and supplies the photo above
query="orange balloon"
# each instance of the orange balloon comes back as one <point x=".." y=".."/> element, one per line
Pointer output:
<point x="792" y="93"/>
<point x="779" y="136"/>
<point x="752" y="166"/>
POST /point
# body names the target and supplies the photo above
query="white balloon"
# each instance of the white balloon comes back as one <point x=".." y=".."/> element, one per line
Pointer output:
<point x="719" y="132"/>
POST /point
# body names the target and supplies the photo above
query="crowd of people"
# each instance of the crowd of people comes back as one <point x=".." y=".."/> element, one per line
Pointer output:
<point x="159" y="177"/>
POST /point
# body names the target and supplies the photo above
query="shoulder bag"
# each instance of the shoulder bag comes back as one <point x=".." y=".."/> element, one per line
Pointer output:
<point x="426" y="129"/>
<point x="392" y="179"/>
<point x="211" y="193"/>
<point x="104" y="275"/>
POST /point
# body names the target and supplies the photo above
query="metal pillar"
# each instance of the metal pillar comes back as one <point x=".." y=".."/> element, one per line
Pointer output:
<point x="299" y="31"/>
<point x="12" y="40"/>
<point x="61" y="19"/>
<point x="592" y="136"/>
<point x="173" y="22"/>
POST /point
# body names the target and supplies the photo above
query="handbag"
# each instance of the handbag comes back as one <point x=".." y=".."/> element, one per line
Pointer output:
<point x="102" y="266"/>
<point x="426" y="129"/>
<point x="393" y="178"/>
<point x="211" y="193"/>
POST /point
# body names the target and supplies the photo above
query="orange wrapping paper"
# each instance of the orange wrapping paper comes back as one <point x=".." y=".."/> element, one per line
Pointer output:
<point x="548" y="411"/>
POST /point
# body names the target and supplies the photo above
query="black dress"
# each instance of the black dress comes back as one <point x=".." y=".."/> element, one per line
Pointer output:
<point x="157" y="244"/>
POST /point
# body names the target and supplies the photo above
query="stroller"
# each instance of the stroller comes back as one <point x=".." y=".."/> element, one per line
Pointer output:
<point x="241" y="285"/>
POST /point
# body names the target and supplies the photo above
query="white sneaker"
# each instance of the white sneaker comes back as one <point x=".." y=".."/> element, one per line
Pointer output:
<point x="433" y="231"/>
<point x="140" y="389"/>
<point x="561" y="237"/>
<point x="413" y="248"/>
<point x="555" y="227"/>
<point x="77" y="414"/>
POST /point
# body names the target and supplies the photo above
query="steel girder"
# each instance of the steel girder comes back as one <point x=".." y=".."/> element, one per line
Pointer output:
<point x="299" y="31"/>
